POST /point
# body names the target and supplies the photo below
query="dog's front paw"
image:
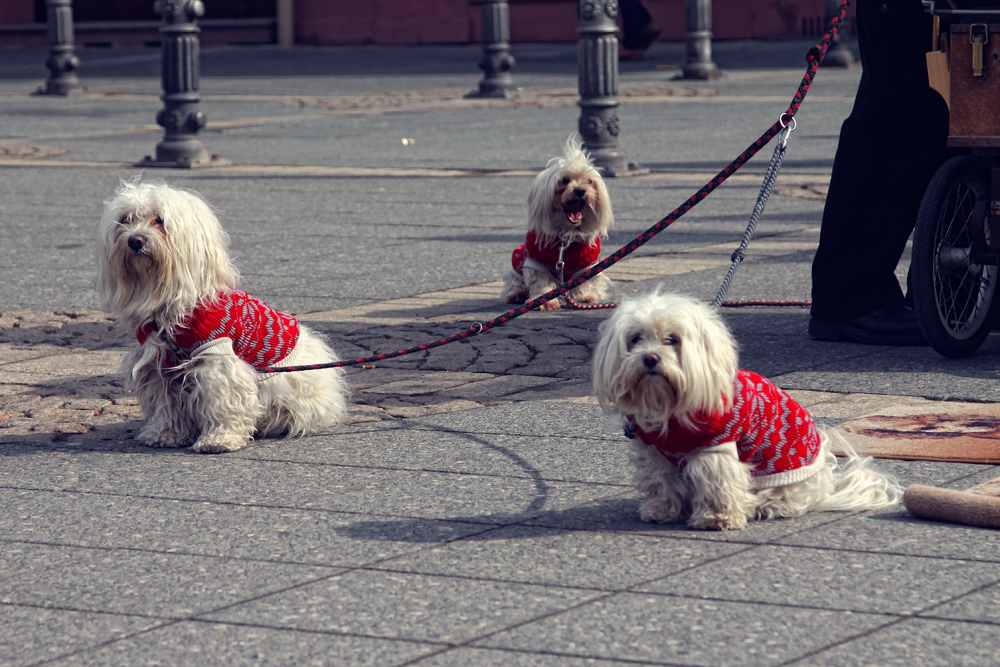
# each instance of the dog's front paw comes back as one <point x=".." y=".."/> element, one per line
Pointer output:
<point x="519" y="296"/>
<point x="659" y="510"/>
<point x="713" y="521"/>
<point x="154" y="437"/>
<point x="219" y="443"/>
<point x="552" y="304"/>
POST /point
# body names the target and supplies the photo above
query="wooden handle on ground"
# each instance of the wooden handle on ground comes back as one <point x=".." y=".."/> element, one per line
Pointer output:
<point x="971" y="509"/>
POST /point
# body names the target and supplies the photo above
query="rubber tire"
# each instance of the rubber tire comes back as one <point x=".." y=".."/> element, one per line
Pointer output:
<point x="957" y="175"/>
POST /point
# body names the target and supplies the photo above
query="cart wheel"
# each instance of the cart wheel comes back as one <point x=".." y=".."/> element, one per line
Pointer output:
<point x="953" y="296"/>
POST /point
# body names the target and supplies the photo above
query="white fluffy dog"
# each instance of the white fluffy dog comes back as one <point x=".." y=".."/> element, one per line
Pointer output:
<point x="569" y="211"/>
<point x="164" y="270"/>
<point x="714" y="445"/>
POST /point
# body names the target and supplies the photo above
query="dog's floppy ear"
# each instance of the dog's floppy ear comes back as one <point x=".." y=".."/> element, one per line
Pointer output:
<point x="709" y="357"/>
<point x="611" y="350"/>
<point x="608" y="354"/>
<point x="196" y="234"/>
<point x="540" y="195"/>
<point x="603" y="204"/>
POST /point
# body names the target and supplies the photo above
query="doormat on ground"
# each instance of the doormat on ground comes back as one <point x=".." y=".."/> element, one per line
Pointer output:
<point x="923" y="430"/>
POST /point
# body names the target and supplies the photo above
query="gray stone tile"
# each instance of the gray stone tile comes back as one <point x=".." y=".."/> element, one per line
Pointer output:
<point x="34" y="634"/>
<point x="897" y="531"/>
<point x="200" y="643"/>
<point x="831" y="579"/>
<point x="661" y="629"/>
<point x="225" y="479"/>
<point x="937" y="473"/>
<point x="229" y="479"/>
<point x="455" y="497"/>
<point x="216" y="529"/>
<point x="180" y="474"/>
<point x="606" y="561"/>
<point x="404" y="606"/>
<point x="446" y="450"/>
<point x="462" y="657"/>
<point x="916" y="641"/>
<point x="982" y="606"/>
<point x="151" y="584"/>
<point x="531" y="418"/>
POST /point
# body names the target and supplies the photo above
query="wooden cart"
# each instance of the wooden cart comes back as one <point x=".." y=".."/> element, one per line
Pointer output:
<point x="956" y="241"/>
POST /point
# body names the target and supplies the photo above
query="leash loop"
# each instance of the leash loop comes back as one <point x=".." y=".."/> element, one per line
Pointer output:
<point x="765" y="193"/>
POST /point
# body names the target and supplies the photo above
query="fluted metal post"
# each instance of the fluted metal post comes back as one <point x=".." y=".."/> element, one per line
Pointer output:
<point x="180" y="71"/>
<point x="496" y="62"/>
<point x="62" y="61"/>
<point x="699" y="63"/>
<point x="839" y="54"/>
<point x="597" y="61"/>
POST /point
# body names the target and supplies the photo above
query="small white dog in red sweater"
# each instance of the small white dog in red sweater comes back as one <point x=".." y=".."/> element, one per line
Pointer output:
<point x="569" y="211"/>
<point x="164" y="270"/>
<point x="714" y="445"/>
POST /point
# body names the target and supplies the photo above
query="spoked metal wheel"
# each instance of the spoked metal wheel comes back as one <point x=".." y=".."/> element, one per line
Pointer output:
<point x="953" y="272"/>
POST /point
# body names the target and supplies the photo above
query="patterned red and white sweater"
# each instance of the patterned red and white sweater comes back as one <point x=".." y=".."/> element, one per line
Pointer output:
<point x="577" y="256"/>
<point x="261" y="335"/>
<point x="773" y="433"/>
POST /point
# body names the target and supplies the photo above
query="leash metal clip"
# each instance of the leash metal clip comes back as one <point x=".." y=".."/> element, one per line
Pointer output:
<point x="560" y="265"/>
<point x="786" y="129"/>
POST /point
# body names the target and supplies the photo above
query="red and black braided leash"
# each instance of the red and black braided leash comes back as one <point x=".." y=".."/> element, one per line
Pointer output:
<point x="813" y="59"/>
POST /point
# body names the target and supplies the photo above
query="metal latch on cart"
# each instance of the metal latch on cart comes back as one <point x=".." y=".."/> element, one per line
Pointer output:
<point x="978" y="35"/>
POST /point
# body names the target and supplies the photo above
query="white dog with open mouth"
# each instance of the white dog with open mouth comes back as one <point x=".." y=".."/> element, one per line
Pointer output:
<point x="164" y="270"/>
<point x="569" y="211"/>
<point x="715" y="446"/>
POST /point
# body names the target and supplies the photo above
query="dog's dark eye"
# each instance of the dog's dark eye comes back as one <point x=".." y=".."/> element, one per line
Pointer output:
<point x="590" y="181"/>
<point x="157" y="221"/>
<point x="124" y="220"/>
<point x="671" y="340"/>
<point x="564" y="182"/>
<point x="635" y="339"/>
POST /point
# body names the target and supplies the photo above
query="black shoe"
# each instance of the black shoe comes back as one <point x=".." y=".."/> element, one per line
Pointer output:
<point x="889" y="325"/>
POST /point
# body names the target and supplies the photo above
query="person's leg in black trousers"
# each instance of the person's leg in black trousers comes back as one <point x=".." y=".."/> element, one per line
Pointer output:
<point x="638" y="30"/>
<point x="890" y="146"/>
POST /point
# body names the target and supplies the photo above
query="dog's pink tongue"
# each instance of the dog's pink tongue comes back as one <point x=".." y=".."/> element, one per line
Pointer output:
<point x="574" y="216"/>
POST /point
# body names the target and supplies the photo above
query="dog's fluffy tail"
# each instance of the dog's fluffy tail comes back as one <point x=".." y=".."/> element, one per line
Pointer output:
<point x="856" y="483"/>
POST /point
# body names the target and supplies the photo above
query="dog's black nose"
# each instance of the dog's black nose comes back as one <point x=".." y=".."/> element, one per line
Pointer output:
<point x="579" y="192"/>
<point x="650" y="360"/>
<point x="136" y="242"/>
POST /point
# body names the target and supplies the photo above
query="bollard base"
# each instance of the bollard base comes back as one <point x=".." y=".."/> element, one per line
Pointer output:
<point x="700" y="72"/>
<point x="494" y="93"/>
<point x="61" y="89"/>
<point x="182" y="163"/>
<point x="630" y="169"/>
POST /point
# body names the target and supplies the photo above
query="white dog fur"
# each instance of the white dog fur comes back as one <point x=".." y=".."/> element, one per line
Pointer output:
<point x="552" y="215"/>
<point x="695" y="359"/>
<point x="178" y="257"/>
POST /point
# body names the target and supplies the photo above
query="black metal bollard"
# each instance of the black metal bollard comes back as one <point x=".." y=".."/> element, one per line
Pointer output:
<point x="62" y="61"/>
<point x="496" y="62"/>
<point x="597" y="62"/>
<point x="839" y="54"/>
<point x="699" y="65"/>
<point x="180" y="71"/>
